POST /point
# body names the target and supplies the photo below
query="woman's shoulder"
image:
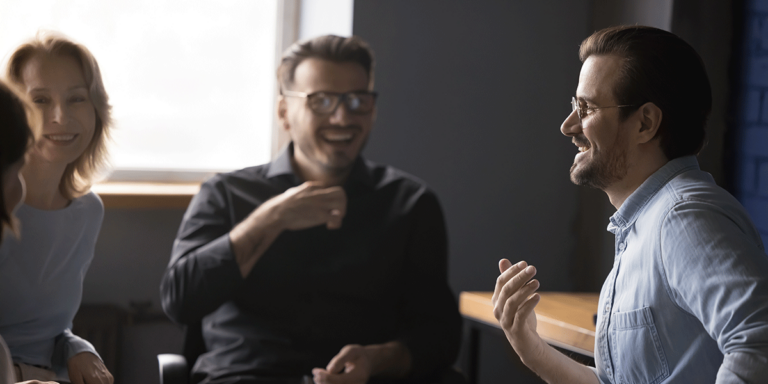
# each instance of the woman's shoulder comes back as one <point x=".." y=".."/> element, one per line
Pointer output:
<point x="89" y="204"/>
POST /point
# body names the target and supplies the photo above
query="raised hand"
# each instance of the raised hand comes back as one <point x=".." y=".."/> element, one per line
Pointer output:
<point x="310" y="204"/>
<point x="300" y="207"/>
<point x="514" y="299"/>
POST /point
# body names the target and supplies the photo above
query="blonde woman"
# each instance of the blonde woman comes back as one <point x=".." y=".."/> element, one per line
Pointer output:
<point x="41" y="273"/>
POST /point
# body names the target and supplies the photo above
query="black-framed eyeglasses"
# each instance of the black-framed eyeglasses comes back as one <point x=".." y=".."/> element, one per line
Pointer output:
<point x="326" y="103"/>
<point x="582" y="110"/>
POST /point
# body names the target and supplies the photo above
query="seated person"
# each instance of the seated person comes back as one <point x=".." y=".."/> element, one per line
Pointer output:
<point x="15" y="136"/>
<point x="41" y="273"/>
<point x="686" y="300"/>
<point x="319" y="264"/>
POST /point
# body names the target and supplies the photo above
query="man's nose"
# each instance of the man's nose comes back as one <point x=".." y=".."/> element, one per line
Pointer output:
<point x="341" y="115"/>
<point x="572" y="125"/>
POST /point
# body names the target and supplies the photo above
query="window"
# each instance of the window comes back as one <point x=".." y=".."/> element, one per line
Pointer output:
<point x="192" y="83"/>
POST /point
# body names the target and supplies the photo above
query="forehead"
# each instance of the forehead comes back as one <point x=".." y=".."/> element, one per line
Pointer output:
<point x="43" y="70"/>
<point x="313" y="75"/>
<point x="598" y="77"/>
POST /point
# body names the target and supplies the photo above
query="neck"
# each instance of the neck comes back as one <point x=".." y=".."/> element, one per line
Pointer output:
<point x="308" y="171"/>
<point x="43" y="179"/>
<point x="638" y="171"/>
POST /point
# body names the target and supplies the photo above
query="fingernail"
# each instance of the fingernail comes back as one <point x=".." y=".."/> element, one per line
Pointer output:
<point x="529" y="269"/>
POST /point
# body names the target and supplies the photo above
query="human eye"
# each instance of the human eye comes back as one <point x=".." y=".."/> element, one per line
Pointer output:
<point x="321" y="101"/>
<point x="77" y="98"/>
<point x="353" y="101"/>
<point x="38" y="99"/>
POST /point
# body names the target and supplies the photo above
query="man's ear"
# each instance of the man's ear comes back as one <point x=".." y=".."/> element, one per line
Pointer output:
<point x="282" y="112"/>
<point x="650" y="119"/>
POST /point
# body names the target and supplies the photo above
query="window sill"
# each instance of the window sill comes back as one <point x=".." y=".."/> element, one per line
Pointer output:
<point x="145" y="194"/>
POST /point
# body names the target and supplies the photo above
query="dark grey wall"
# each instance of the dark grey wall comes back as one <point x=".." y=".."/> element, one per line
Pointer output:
<point x="472" y="95"/>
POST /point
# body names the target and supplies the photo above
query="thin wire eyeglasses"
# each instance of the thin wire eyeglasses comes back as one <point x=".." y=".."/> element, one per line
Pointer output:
<point x="582" y="111"/>
<point x="326" y="103"/>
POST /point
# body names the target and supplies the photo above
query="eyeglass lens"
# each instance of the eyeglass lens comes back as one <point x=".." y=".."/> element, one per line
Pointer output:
<point x="355" y="102"/>
<point x="576" y="107"/>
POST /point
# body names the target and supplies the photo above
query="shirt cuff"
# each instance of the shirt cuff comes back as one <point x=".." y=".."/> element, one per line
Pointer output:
<point x="740" y="367"/>
<point x="68" y="345"/>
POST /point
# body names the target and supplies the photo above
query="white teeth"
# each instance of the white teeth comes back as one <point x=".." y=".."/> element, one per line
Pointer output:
<point x="60" y="137"/>
<point x="583" y="149"/>
<point x="337" y="136"/>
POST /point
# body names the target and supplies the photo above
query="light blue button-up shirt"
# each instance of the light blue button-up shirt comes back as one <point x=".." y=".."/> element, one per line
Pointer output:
<point x="687" y="298"/>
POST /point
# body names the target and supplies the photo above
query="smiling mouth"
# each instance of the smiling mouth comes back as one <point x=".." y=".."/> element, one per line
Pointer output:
<point x="337" y="137"/>
<point x="583" y="149"/>
<point x="61" y="138"/>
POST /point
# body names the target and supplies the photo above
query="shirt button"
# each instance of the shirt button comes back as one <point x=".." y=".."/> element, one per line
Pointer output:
<point x="621" y="247"/>
<point x="608" y="371"/>
<point x="607" y="308"/>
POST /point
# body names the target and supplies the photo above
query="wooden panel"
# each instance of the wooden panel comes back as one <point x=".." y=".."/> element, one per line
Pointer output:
<point x="145" y="195"/>
<point x="564" y="320"/>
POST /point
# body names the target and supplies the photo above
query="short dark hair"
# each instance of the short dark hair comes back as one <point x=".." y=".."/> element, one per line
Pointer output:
<point x="661" y="68"/>
<point x="15" y="138"/>
<point x="329" y="47"/>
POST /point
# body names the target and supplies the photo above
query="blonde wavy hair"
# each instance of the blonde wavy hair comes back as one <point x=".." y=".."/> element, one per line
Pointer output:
<point x="78" y="176"/>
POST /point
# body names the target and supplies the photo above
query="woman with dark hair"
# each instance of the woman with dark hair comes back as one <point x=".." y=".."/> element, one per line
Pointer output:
<point x="15" y="138"/>
<point x="41" y="273"/>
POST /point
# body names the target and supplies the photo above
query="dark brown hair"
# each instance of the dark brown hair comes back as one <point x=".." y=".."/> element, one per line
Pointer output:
<point x="15" y="137"/>
<point x="329" y="47"/>
<point x="660" y="68"/>
<point x="79" y="174"/>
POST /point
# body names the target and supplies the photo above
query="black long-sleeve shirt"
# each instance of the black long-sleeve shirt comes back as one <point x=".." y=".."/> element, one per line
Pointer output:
<point x="381" y="277"/>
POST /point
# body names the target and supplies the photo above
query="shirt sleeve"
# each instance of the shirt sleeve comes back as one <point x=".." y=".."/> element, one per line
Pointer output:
<point x="431" y="324"/>
<point x="202" y="273"/>
<point x="67" y="345"/>
<point x="717" y="270"/>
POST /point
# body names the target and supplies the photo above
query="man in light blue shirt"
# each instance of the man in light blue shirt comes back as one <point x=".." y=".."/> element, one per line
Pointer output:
<point x="687" y="298"/>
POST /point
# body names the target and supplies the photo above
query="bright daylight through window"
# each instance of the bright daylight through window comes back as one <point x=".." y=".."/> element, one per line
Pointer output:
<point x="191" y="82"/>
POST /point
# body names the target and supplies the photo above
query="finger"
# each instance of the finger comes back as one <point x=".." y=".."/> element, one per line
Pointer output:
<point x="336" y="365"/>
<point x="335" y="219"/>
<point x="320" y="376"/>
<point x="512" y="306"/>
<point x="504" y="278"/>
<point x="504" y="264"/>
<point x="526" y="309"/>
<point x="510" y="288"/>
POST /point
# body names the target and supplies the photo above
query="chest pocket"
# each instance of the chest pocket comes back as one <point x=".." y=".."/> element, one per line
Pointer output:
<point x="637" y="353"/>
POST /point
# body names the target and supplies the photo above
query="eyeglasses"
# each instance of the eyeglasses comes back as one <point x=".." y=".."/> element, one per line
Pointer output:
<point x="582" y="110"/>
<point x="325" y="103"/>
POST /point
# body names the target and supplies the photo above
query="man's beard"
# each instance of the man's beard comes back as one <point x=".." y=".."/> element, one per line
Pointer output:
<point x="602" y="171"/>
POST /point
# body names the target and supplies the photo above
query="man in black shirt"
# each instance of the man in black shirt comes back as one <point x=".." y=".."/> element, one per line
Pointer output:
<point x="319" y="264"/>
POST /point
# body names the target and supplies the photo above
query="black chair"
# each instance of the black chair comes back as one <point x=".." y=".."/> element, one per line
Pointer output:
<point x="175" y="369"/>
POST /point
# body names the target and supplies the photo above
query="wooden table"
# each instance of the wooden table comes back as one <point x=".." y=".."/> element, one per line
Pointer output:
<point x="564" y="320"/>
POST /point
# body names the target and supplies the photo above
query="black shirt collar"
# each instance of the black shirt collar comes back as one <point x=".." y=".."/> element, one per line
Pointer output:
<point x="361" y="170"/>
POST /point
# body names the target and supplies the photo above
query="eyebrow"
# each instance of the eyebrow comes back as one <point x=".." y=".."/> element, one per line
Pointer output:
<point x="72" y="88"/>
<point x="585" y="99"/>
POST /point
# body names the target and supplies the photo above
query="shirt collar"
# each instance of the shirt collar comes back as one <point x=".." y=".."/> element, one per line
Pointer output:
<point x="361" y="169"/>
<point x="635" y="203"/>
